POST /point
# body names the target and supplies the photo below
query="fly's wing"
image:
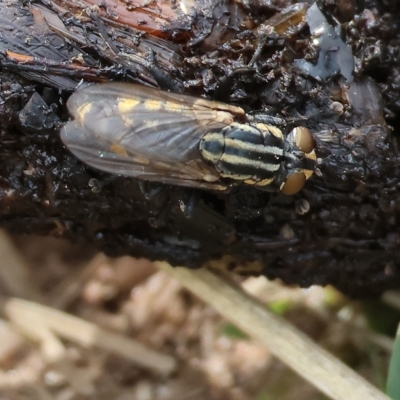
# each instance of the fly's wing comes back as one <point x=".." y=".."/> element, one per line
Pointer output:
<point x="146" y="133"/>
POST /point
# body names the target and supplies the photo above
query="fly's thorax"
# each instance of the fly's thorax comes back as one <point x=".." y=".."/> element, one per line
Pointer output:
<point x="260" y="155"/>
<point x="243" y="152"/>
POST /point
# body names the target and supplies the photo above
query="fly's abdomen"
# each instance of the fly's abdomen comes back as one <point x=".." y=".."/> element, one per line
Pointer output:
<point x="249" y="153"/>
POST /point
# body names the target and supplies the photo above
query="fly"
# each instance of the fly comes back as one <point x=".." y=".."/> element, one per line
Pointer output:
<point x="146" y="133"/>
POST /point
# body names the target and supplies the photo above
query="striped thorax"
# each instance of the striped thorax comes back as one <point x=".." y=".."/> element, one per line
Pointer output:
<point x="259" y="155"/>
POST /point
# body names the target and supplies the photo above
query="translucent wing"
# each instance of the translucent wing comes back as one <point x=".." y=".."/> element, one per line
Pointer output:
<point x="146" y="133"/>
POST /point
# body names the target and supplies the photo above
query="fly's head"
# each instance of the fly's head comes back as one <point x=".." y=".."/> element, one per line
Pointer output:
<point x="299" y="160"/>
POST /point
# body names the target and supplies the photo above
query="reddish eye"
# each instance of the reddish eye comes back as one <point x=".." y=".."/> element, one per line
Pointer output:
<point x="294" y="183"/>
<point x="304" y="140"/>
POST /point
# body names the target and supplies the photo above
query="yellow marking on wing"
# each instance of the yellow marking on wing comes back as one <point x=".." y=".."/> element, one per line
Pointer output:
<point x="198" y="170"/>
<point x="175" y="107"/>
<point x="127" y="105"/>
<point x="204" y="113"/>
<point x="162" y="165"/>
<point x="218" y="107"/>
<point x="118" y="149"/>
<point x="153" y="105"/>
<point x="82" y="111"/>
<point x="127" y="120"/>
<point x="141" y="160"/>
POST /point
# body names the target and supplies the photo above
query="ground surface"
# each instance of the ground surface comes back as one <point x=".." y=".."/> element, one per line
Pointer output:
<point x="129" y="297"/>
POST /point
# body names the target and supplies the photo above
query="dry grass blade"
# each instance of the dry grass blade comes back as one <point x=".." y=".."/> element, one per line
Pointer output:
<point x="286" y="342"/>
<point x="88" y="334"/>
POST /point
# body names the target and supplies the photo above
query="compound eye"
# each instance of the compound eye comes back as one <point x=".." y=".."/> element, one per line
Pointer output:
<point x="294" y="183"/>
<point x="303" y="139"/>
